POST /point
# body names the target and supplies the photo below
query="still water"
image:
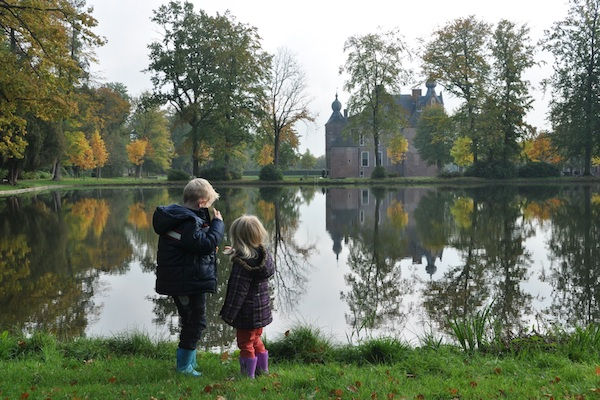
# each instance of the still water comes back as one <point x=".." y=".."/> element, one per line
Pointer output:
<point x="353" y="262"/>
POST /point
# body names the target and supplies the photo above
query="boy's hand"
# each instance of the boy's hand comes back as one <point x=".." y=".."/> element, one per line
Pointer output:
<point x="217" y="214"/>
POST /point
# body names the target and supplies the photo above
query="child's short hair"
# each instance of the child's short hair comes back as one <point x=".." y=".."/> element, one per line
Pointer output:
<point x="246" y="234"/>
<point x="197" y="189"/>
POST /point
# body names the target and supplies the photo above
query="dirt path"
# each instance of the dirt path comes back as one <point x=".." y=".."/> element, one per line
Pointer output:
<point x="31" y="189"/>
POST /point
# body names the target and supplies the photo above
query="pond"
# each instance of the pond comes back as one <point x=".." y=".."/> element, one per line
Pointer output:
<point x="355" y="263"/>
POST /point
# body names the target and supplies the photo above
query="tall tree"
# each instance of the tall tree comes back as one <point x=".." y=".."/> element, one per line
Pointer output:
<point x="37" y="67"/>
<point x="575" y="104"/>
<point x="209" y="69"/>
<point x="286" y="101"/>
<point x="435" y="136"/>
<point x="456" y="57"/>
<point x="375" y="68"/>
<point x="512" y="54"/>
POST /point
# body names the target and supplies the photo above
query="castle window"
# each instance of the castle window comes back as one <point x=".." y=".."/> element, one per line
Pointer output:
<point x="361" y="140"/>
<point x="365" y="197"/>
<point x="362" y="173"/>
<point x="362" y="216"/>
<point x="364" y="157"/>
<point x="381" y="157"/>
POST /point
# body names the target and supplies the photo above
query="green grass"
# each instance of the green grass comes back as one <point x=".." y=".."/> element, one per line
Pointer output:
<point x="134" y="367"/>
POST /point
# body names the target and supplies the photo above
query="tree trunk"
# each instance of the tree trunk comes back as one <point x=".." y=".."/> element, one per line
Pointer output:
<point x="98" y="172"/>
<point x="138" y="169"/>
<point x="56" y="170"/>
<point x="276" y="146"/>
<point x="13" y="172"/>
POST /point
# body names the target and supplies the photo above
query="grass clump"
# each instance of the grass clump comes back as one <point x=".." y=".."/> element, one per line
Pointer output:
<point x="304" y="344"/>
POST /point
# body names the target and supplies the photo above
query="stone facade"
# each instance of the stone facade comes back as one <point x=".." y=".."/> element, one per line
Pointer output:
<point x="348" y="157"/>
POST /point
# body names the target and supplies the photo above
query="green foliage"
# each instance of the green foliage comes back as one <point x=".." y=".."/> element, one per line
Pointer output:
<point x="379" y="172"/>
<point x="220" y="174"/>
<point x="435" y="136"/>
<point x="538" y="170"/>
<point x="37" y="175"/>
<point x="382" y="351"/>
<point x="583" y="344"/>
<point x="177" y="175"/>
<point x="301" y="344"/>
<point x="492" y="170"/>
<point x="270" y="173"/>
<point x="472" y="331"/>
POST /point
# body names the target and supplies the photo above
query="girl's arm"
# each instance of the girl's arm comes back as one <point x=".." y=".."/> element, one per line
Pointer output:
<point x="237" y="290"/>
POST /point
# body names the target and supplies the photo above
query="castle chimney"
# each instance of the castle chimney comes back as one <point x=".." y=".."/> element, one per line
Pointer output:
<point x="345" y="113"/>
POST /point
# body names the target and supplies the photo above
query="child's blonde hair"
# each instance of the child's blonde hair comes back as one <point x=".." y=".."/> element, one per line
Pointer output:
<point x="197" y="189"/>
<point x="246" y="234"/>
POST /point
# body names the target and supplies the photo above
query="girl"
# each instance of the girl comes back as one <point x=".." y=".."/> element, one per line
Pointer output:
<point x="247" y="304"/>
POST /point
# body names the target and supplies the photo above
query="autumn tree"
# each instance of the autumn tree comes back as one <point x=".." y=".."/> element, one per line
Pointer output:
<point x="461" y="151"/>
<point x="150" y="123"/>
<point x="210" y="69"/>
<point x="456" y="57"/>
<point x="396" y="148"/>
<point x="80" y="154"/>
<point x="286" y="102"/>
<point x="136" y="152"/>
<point x="575" y="105"/>
<point x="99" y="152"/>
<point x="38" y="69"/>
<point x="541" y="148"/>
<point x="375" y="65"/>
<point x="435" y="136"/>
<point x="307" y="160"/>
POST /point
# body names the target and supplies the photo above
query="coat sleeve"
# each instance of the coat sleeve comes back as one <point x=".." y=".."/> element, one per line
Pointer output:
<point x="237" y="290"/>
<point x="203" y="241"/>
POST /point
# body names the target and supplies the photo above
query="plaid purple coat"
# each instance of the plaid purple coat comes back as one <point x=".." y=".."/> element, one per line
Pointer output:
<point x="248" y="301"/>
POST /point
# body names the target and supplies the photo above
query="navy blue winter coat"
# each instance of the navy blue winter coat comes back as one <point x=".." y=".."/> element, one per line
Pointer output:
<point x="186" y="255"/>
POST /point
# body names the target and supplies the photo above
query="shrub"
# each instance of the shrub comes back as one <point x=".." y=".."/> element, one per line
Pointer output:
<point x="383" y="351"/>
<point x="177" y="175"/>
<point x="303" y="344"/>
<point x="270" y="173"/>
<point x="37" y="175"/>
<point x="220" y="174"/>
<point x="378" y="173"/>
<point x="492" y="170"/>
<point x="538" y="170"/>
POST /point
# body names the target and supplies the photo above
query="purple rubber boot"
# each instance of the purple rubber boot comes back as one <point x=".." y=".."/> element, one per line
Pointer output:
<point x="248" y="366"/>
<point x="262" y="363"/>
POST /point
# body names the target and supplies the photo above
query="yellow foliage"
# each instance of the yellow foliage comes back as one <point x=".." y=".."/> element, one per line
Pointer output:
<point x="265" y="156"/>
<point x="98" y="149"/>
<point x="396" y="149"/>
<point x="461" y="210"/>
<point x="136" y="151"/>
<point x="461" y="151"/>
<point x="396" y="215"/>
<point x="266" y="211"/>
<point x="79" y="151"/>
<point x="138" y="216"/>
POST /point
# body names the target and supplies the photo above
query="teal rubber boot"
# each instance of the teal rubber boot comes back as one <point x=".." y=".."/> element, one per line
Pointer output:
<point x="185" y="361"/>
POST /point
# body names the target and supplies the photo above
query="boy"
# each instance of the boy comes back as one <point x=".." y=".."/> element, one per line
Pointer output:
<point x="186" y="261"/>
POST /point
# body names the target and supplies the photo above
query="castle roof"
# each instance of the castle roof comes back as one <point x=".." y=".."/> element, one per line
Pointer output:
<point x="414" y="103"/>
<point x="336" y="116"/>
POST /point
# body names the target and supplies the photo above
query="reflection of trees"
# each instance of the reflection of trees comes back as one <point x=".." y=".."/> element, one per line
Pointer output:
<point x="575" y="252"/>
<point x="375" y="284"/>
<point x="48" y="280"/>
<point x="489" y="232"/>
<point x="278" y="209"/>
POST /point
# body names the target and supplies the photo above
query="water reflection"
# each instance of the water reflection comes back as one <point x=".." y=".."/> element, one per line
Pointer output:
<point x="405" y="257"/>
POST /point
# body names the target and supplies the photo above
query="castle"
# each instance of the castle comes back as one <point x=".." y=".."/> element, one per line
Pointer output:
<point x="348" y="157"/>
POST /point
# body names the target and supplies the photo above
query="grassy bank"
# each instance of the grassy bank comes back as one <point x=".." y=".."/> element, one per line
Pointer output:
<point x="48" y="184"/>
<point x="303" y="366"/>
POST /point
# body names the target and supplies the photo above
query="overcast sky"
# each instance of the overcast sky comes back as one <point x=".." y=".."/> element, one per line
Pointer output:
<point x="315" y="31"/>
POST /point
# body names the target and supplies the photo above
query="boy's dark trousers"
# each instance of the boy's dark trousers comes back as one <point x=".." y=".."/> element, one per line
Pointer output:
<point x="192" y="319"/>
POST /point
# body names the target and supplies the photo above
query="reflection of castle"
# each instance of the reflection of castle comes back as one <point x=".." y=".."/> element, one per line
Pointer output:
<point x="354" y="157"/>
<point x="350" y="210"/>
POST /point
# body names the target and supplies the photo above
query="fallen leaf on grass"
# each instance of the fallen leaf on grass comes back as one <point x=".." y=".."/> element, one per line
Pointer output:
<point x="358" y="384"/>
<point x="337" y="392"/>
<point x="112" y="379"/>
<point x="473" y="384"/>
<point x="225" y="356"/>
<point x="453" y="391"/>
<point x="390" y="396"/>
<point x="373" y="396"/>
<point x="597" y="370"/>
<point x="352" y="388"/>
<point x="556" y="379"/>
<point x="24" y="395"/>
<point x="498" y="370"/>
<point x="420" y="397"/>
<point x="208" y="389"/>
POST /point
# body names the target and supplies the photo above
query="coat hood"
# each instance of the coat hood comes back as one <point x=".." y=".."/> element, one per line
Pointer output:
<point x="166" y="218"/>
<point x="261" y="265"/>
